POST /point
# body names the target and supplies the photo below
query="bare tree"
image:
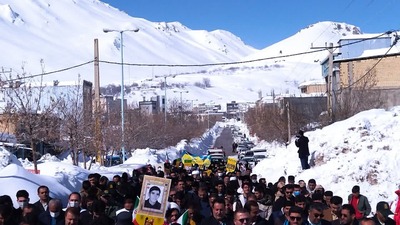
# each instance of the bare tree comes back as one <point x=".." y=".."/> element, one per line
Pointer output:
<point x="358" y="96"/>
<point x="73" y="126"/>
<point x="267" y="122"/>
<point x="32" y="106"/>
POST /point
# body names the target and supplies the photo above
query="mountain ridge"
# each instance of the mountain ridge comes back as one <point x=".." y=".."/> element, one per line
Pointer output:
<point x="48" y="38"/>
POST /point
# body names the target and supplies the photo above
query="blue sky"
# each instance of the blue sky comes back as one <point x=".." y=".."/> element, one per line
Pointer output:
<point x="260" y="23"/>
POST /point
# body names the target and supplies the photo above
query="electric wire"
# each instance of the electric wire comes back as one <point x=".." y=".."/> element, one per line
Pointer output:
<point x="193" y="65"/>
<point x="49" y="73"/>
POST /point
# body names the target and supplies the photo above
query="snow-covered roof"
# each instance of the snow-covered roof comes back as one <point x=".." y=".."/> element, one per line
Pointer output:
<point x="363" y="36"/>
<point x="378" y="52"/>
<point x="374" y="53"/>
<point x="312" y="82"/>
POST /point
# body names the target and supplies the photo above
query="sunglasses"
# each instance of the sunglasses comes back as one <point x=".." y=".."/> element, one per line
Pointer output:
<point x="295" y="218"/>
<point x="318" y="215"/>
<point x="244" y="219"/>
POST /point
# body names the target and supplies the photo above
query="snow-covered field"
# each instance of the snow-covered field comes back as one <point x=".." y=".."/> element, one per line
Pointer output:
<point x="362" y="150"/>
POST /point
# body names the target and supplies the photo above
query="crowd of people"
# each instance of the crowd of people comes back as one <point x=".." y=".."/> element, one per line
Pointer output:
<point x="211" y="197"/>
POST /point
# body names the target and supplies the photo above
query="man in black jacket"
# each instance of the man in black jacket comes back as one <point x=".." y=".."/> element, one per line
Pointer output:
<point x="54" y="215"/>
<point x="44" y="198"/>
<point x="302" y="143"/>
<point x="218" y="214"/>
<point x="315" y="214"/>
<point x="382" y="214"/>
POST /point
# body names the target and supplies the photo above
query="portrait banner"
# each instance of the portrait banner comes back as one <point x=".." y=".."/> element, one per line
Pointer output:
<point x="154" y="196"/>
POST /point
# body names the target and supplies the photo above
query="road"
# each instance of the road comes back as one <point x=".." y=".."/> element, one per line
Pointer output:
<point x="225" y="140"/>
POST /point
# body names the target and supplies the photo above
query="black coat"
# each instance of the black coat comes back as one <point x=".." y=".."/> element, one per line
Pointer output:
<point x="45" y="218"/>
<point x="156" y="205"/>
<point x="323" y="222"/>
<point x="302" y="143"/>
<point x="387" y="222"/>
<point x="212" y="221"/>
<point x="38" y="205"/>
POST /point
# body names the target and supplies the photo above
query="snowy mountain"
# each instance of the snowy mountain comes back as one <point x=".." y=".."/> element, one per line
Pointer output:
<point x="44" y="36"/>
<point x="61" y="33"/>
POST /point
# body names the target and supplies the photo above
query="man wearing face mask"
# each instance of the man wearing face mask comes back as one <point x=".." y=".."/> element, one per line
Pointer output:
<point x="74" y="200"/>
<point x="55" y="215"/>
<point x="253" y="178"/>
<point x="23" y="201"/>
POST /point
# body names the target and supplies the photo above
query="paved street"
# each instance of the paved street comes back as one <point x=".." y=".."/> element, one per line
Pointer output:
<point x="225" y="140"/>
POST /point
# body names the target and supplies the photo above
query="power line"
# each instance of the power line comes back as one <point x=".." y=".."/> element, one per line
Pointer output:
<point x="212" y="64"/>
<point x="194" y="65"/>
<point x="49" y="73"/>
<point x="246" y="61"/>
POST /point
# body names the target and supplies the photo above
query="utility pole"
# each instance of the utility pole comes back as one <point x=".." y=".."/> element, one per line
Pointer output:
<point x="165" y="101"/>
<point x="97" y="125"/>
<point x="288" y="121"/>
<point x="3" y="83"/>
<point x="330" y="77"/>
<point x="165" y="96"/>
<point x="331" y="83"/>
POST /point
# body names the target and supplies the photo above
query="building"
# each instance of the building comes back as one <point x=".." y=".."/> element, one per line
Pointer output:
<point x="111" y="105"/>
<point x="313" y="87"/>
<point x="232" y="110"/>
<point x="155" y="105"/>
<point x="365" y="68"/>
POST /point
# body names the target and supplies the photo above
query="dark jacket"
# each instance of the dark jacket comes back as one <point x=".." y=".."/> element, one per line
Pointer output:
<point x="212" y="221"/>
<point x="302" y="143"/>
<point x="280" y="202"/>
<point x="45" y="218"/>
<point x="260" y="221"/>
<point x="280" y="220"/>
<point x="205" y="209"/>
<point x="337" y="222"/>
<point x="156" y="205"/>
<point x="39" y="207"/>
<point x="387" y="222"/>
<point x="323" y="222"/>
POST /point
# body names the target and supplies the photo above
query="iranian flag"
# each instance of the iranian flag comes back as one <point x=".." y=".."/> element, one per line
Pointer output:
<point x="135" y="211"/>
<point x="183" y="219"/>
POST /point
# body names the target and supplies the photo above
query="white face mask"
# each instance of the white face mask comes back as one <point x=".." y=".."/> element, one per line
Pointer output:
<point x="54" y="214"/>
<point x="22" y="204"/>
<point x="73" y="204"/>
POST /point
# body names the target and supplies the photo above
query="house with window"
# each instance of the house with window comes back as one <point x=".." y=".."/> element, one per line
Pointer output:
<point x="365" y="68"/>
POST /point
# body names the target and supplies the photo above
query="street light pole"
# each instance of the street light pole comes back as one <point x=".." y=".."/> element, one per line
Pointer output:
<point x="165" y="96"/>
<point x="122" y="87"/>
<point x="181" y="92"/>
<point x="208" y="113"/>
<point x="165" y="101"/>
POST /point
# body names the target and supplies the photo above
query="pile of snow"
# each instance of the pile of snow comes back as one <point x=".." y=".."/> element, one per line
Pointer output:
<point x="62" y="177"/>
<point x="7" y="158"/>
<point x="363" y="150"/>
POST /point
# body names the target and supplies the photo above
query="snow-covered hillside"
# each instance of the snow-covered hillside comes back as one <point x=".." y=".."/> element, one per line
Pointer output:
<point x="362" y="150"/>
<point x="243" y="82"/>
<point x="61" y="34"/>
<point x="44" y="36"/>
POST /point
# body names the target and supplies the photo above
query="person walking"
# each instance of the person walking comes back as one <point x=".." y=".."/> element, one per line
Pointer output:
<point x="302" y="143"/>
<point x="359" y="202"/>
